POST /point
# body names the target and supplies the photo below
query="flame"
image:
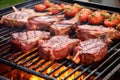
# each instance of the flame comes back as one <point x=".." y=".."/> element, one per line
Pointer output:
<point x="17" y="74"/>
<point x="21" y="75"/>
<point x="56" y="72"/>
<point x="33" y="77"/>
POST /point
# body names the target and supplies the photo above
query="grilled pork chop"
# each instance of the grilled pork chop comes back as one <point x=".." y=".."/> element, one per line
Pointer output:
<point x="58" y="47"/>
<point x="65" y="26"/>
<point x="42" y="22"/>
<point x="25" y="41"/>
<point x="85" y="32"/>
<point x="90" y="51"/>
<point x="19" y="18"/>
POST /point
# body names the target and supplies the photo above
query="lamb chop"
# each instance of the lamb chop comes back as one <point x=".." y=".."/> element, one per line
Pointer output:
<point x="58" y="47"/>
<point x="25" y="41"/>
<point x="85" y="32"/>
<point x="64" y="27"/>
<point x="42" y="22"/>
<point x="32" y="13"/>
<point x="19" y="17"/>
<point x="90" y="51"/>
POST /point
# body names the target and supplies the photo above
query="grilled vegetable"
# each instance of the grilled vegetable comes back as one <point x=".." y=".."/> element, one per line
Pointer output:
<point x="53" y="10"/>
<point x="40" y="7"/>
<point x="70" y="12"/>
<point x="105" y="14"/>
<point x="84" y="14"/>
<point x="95" y="18"/>
<point x="112" y="21"/>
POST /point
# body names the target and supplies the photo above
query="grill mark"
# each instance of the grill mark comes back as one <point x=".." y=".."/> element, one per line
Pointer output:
<point x="93" y="48"/>
<point x="26" y="37"/>
<point x="15" y="16"/>
<point x="34" y="34"/>
<point x="95" y="28"/>
<point x="98" y="45"/>
<point x="21" y="17"/>
<point x="57" y="42"/>
<point x="18" y="34"/>
<point x="88" y="43"/>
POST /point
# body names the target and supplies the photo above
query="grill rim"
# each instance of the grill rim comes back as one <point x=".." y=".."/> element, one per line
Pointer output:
<point x="24" y="4"/>
<point x="3" y="78"/>
<point x="20" y="67"/>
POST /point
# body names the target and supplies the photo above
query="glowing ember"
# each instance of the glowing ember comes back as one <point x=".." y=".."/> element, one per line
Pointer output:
<point x="33" y="77"/>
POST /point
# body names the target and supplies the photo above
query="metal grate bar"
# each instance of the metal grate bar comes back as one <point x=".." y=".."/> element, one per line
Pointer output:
<point x="86" y="69"/>
<point x="43" y="69"/>
<point x="28" y="59"/>
<point x="5" y="39"/>
<point x="40" y="65"/>
<point x="68" y="67"/>
<point x="118" y="59"/>
<point x="10" y="53"/>
<point x="5" y="53"/>
<point x="77" y="68"/>
<point x="4" y="43"/>
<point x="112" y="72"/>
<point x="16" y="56"/>
<point x="2" y="29"/>
<point x="23" y="56"/>
<point x="32" y="63"/>
<point x="5" y="31"/>
<point x="7" y="34"/>
<point x="112" y="48"/>
<point x="4" y="48"/>
<point x="101" y="65"/>
<point x="58" y="67"/>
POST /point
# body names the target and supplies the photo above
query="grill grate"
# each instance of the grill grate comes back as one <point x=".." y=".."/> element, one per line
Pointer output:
<point x="31" y="63"/>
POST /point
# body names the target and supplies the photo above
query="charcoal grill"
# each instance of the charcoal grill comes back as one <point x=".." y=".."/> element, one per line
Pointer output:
<point x="31" y="63"/>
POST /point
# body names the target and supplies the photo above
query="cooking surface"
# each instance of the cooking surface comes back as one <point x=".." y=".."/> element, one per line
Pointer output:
<point x="31" y="63"/>
<point x="115" y="3"/>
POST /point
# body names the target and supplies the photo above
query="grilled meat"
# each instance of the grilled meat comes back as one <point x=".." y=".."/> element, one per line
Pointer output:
<point x="23" y="10"/>
<point x="90" y="51"/>
<point x="85" y="32"/>
<point x="25" y="41"/>
<point x="64" y="27"/>
<point x="19" y="18"/>
<point x="58" y="47"/>
<point x="42" y="22"/>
